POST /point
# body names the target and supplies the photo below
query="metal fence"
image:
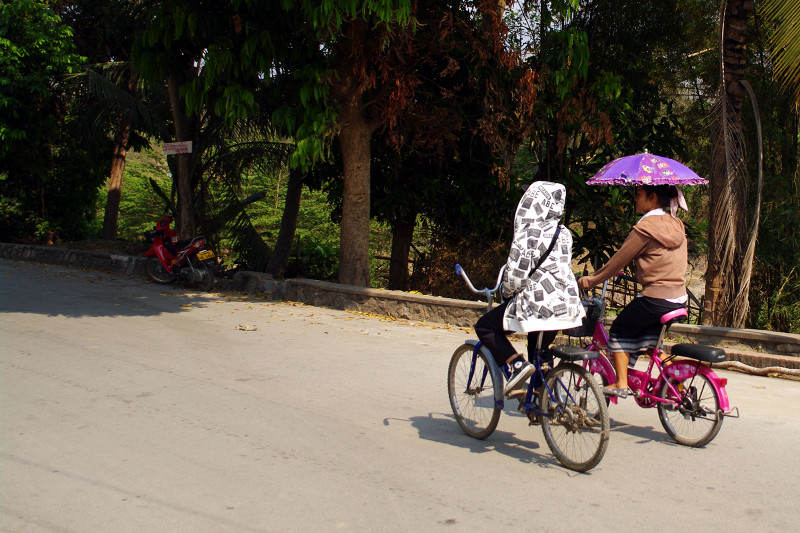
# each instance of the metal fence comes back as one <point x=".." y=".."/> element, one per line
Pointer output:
<point x="621" y="291"/>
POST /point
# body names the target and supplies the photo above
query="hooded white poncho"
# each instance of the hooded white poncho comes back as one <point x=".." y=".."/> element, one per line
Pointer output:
<point x="546" y="299"/>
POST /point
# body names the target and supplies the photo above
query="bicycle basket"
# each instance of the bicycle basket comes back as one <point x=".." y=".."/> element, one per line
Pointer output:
<point x="594" y="311"/>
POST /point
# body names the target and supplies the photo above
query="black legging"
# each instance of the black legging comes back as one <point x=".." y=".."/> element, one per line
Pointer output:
<point x="492" y="334"/>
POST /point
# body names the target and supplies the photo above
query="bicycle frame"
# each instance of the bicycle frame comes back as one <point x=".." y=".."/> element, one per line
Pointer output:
<point x="499" y="400"/>
<point x="539" y="375"/>
<point x="570" y="407"/>
<point x="644" y="384"/>
<point x="497" y="372"/>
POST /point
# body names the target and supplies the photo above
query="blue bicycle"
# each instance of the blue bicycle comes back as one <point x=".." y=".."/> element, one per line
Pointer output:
<point x="563" y="398"/>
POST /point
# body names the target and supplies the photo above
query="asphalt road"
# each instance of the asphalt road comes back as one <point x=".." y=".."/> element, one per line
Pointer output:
<point x="130" y="407"/>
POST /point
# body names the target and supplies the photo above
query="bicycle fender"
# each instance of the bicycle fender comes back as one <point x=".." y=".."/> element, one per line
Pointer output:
<point x="603" y="367"/>
<point x="497" y="374"/>
<point x="685" y="369"/>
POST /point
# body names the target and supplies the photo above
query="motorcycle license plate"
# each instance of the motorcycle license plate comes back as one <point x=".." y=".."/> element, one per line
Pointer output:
<point x="205" y="254"/>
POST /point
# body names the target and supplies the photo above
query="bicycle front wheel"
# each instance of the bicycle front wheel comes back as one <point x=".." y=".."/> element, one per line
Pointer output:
<point x="471" y="389"/>
<point x="692" y="418"/>
<point x="575" y="423"/>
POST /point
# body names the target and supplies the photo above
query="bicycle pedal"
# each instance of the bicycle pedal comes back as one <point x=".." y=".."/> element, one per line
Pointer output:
<point x="516" y="394"/>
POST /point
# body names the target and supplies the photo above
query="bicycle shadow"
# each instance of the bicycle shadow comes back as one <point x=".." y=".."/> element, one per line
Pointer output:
<point x="644" y="433"/>
<point x="443" y="428"/>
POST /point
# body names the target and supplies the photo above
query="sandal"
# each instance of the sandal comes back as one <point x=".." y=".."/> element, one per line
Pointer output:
<point x="619" y="393"/>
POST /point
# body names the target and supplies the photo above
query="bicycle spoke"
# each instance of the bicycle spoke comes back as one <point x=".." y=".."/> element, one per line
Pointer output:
<point x="471" y="390"/>
<point x="690" y="418"/>
<point x="576" y="425"/>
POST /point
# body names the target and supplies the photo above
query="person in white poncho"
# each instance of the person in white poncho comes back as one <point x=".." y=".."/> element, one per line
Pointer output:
<point x="538" y="299"/>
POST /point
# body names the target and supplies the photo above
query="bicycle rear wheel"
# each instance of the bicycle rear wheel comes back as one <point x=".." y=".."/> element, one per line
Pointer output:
<point x="693" y="418"/>
<point x="576" y="425"/>
<point x="471" y="389"/>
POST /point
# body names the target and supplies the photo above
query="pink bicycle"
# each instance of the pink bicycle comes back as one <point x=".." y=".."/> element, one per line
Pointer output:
<point x="691" y="399"/>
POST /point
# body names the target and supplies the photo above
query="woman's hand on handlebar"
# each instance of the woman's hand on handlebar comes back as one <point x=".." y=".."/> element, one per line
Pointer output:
<point x="584" y="284"/>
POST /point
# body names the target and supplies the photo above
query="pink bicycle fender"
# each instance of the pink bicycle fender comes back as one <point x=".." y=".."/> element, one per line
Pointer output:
<point x="602" y="367"/>
<point x="686" y="369"/>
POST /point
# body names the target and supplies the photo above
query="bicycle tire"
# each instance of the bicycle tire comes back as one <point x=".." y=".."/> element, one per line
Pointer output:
<point x="693" y="419"/>
<point x="576" y="425"/>
<point x="472" y="394"/>
<point x="156" y="271"/>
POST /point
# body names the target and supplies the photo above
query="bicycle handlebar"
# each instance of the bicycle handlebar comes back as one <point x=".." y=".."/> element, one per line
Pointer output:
<point x="486" y="292"/>
<point x="619" y="275"/>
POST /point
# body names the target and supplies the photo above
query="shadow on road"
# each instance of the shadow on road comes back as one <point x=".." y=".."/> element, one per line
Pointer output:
<point x="51" y="290"/>
<point x="645" y="433"/>
<point x="443" y="428"/>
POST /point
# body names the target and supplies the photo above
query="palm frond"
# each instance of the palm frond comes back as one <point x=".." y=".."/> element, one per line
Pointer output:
<point x="105" y="87"/>
<point x="741" y="301"/>
<point x="168" y="205"/>
<point x="252" y="252"/>
<point x="728" y="161"/>
<point x="784" y="42"/>
<point x="235" y="151"/>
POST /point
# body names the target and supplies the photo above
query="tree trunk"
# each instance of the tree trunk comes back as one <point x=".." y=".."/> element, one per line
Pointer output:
<point x="111" y="216"/>
<point x="727" y="237"/>
<point x="354" y="138"/>
<point x="354" y="243"/>
<point x="402" y="236"/>
<point x="283" y="246"/>
<point x="185" y="215"/>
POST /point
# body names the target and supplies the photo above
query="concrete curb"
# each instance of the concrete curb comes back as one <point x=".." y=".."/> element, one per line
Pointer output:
<point x="757" y="348"/>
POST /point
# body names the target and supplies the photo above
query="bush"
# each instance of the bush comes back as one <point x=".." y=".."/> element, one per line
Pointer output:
<point x="313" y="260"/>
<point x="481" y="259"/>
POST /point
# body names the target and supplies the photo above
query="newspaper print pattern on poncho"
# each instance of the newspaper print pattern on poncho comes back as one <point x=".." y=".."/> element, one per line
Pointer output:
<point x="547" y="299"/>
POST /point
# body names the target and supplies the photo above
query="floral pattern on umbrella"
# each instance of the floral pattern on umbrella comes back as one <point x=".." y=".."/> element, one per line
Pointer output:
<point x="646" y="169"/>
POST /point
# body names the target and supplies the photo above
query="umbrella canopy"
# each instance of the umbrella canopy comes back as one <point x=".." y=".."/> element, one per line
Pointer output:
<point x="646" y="169"/>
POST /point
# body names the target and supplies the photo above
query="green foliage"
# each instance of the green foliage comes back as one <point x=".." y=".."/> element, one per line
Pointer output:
<point x="313" y="260"/>
<point x="606" y="217"/>
<point x="36" y="50"/>
<point x="775" y="289"/>
<point x="623" y="103"/>
<point x="326" y="17"/>
<point x="785" y="41"/>
<point x="50" y="176"/>
<point x="611" y="79"/>
<point x="140" y="205"/>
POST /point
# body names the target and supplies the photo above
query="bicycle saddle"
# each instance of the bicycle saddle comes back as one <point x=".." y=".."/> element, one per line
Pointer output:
<point x="678" y="315"/>
<point x="708" y="354"/>
<point x="572" y="353"/>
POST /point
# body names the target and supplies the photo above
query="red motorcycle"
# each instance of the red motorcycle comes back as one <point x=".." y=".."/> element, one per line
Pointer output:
<point x="170" y="260"/>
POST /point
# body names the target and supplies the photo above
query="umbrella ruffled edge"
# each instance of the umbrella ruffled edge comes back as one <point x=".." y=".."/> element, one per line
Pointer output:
<point x="627" y="181"/>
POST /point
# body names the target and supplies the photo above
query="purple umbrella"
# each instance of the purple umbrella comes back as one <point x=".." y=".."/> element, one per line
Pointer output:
<point x="646" y="169"/>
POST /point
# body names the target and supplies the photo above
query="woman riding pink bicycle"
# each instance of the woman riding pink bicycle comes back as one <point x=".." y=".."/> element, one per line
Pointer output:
<point x="658" y="247"/>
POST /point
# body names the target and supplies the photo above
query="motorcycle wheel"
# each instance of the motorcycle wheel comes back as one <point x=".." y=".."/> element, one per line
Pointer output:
<point x="206" y="282"/>
<point x="156" y="271"/>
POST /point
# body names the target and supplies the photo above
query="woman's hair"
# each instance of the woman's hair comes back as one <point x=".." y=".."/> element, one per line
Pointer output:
<point x="664" y="193"/>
